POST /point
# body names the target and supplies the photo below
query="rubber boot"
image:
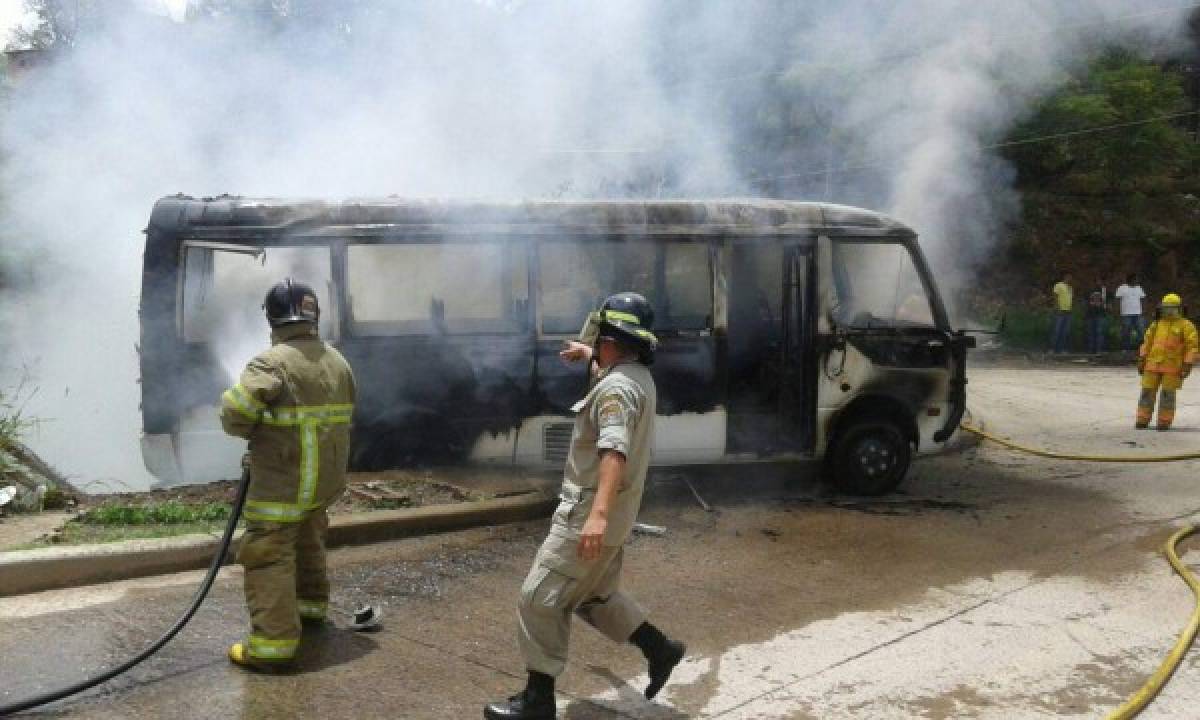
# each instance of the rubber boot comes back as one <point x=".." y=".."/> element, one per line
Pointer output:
<point x="535" y="702"/>
<point x="239" y="655"/>
<point x="662" y="655"/>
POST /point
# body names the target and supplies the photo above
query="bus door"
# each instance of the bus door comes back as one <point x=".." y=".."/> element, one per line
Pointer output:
<point x="770" y="357"/>
<point x="798" y="391"/>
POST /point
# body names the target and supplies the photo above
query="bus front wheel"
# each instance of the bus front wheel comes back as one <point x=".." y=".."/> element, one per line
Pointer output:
<point x="869" y="457"/>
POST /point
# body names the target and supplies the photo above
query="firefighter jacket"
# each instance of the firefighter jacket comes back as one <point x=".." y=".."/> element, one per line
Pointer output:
<point x="1170" y="343"/>
<point x="293" y="403"/>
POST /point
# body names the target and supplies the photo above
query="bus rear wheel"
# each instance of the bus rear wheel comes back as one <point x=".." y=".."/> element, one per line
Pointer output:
<point x="869" y="457"/>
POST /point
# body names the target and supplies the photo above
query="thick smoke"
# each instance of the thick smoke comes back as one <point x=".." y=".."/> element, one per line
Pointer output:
<point x="505" y="100"/>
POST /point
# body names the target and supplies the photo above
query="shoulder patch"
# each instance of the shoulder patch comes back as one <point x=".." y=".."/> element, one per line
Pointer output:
<point x="610" y="411"/>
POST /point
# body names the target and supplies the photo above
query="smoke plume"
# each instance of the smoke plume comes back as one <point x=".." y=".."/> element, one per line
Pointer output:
<point x="503" y="100"/>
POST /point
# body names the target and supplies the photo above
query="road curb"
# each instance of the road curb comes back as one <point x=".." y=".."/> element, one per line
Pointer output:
<point x="28" y="571"/>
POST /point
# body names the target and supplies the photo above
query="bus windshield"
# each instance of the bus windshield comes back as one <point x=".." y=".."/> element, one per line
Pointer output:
<point x="877" y="285"/>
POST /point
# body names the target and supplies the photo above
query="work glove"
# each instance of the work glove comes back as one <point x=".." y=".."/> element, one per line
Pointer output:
<point x="1187" y="369"/>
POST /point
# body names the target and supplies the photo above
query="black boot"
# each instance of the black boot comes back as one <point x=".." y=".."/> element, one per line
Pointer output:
<point x="662" y="655"/>
<point x="535" y="702"/>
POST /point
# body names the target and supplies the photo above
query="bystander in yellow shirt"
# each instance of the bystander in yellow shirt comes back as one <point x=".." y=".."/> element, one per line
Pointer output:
<point x="1064" y="295"/>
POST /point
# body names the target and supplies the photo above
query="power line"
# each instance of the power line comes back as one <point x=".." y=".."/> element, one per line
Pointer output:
<point x="994" y="146"/>
<point x="853" y="66"/>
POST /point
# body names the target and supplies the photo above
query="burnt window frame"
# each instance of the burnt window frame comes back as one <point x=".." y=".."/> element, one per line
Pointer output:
<point x="521" y="248"/>
<point x="660" y="301"/>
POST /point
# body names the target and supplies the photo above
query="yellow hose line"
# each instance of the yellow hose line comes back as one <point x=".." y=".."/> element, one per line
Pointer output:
<point x="1089" y="458"/>
<point x="1142" y="697"/>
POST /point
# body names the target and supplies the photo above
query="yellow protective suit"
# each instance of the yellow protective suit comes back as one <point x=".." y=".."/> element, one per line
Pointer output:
<point x="293" y="403"/>
<point x="1169" y="349"/>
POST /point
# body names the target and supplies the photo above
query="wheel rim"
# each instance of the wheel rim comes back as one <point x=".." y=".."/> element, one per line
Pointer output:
<point x="876" y="457"/>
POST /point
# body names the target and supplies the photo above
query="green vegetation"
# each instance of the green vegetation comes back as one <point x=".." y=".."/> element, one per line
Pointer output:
<point x="114" y="522"/>
<point x="1146" y="148"/>
<point x="166" y="513"/>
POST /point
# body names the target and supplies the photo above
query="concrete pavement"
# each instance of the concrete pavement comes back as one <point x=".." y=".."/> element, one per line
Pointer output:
<point x="995" y="586"/>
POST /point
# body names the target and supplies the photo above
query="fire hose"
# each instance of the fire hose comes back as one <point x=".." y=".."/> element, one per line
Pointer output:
<point x="1139" y="700"/>
<point x="1150" y="689"/>
<point x="213" y="568"/>
<point x="1068" y="456"/>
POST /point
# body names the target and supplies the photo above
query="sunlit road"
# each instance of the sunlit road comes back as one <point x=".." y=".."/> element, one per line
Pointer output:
<point x="994" y="586"/>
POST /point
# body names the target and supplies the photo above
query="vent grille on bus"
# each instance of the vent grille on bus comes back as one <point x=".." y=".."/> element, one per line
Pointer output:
<point x="556" y="442"/>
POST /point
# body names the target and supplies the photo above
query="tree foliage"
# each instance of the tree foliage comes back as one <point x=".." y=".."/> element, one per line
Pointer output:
<point x="1143" y="147"/>
<point x="60" y="23"/>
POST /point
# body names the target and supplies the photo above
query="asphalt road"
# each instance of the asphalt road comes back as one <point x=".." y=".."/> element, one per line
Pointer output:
<point x="993" y="586"/>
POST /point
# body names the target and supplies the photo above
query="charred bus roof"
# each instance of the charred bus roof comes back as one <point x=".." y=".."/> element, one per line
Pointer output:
<point x="236" y="216"/>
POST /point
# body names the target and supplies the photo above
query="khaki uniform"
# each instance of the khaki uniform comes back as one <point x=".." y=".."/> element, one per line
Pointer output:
<point x="1170" y="343"/>
<point x="618" y="414"/>
<point x="293" y="403"/>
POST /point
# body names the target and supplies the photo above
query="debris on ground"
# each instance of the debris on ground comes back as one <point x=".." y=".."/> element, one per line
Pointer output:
<point x="696" y="494"/>
<point x="645" y="529"/>
<point x="36" y="486"/>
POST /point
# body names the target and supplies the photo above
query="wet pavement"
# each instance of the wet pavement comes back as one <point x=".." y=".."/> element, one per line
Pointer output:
<point x="993" y="586"/>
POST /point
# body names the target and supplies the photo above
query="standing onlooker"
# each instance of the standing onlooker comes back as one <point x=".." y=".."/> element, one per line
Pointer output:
<point x="1095" y="319"/>
<point x="1133" y="325"/>
<point x="1060" y="335"/>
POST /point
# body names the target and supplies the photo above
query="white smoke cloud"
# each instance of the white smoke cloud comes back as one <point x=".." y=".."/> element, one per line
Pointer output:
<point x="488" y="99"/>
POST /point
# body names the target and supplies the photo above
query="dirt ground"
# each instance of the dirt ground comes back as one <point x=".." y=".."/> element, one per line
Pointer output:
<point x="365" y="492"/>
<point x="995" y="586"/>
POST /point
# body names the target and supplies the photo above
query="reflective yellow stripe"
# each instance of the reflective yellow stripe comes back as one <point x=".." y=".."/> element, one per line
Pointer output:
<point x="629" y="318"/>
<point x="267" y="649"/>
<point x="241" y="401"/>
<point x="275" y="511"/>
<point x="618" y="315"/>
<point x="313" y="609"/>
<point x="644" y="333"/>
<point x="331" y="414"/>
<point x="307" y="418"/>
<point x="309" y="462"/>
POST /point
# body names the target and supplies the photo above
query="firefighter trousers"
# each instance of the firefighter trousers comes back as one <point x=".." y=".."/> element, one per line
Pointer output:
<point x="285" y="582"/>
<point x="1163" y="386"/>
<point x="560" y="584"/>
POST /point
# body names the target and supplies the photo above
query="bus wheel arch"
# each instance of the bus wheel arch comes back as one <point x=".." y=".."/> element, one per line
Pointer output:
<point x="871" y="446"/>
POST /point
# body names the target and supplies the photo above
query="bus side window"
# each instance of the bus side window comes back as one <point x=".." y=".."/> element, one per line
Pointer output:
<point x="688" y="292"/>
<point x="197" y="289"/>
<point x="223" y="291"/>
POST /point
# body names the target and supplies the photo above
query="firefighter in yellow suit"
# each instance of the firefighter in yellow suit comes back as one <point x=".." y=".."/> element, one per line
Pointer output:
<point x="1165" y="359"/>
<point x="293" y="403"/>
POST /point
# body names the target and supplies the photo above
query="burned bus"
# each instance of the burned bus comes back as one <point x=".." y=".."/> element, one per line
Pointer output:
<point x="787" y="329"/>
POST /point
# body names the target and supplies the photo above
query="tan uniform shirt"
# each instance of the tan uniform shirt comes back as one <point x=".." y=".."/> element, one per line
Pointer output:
<point x="293" y="403"/>
<point x="617" y="414"/>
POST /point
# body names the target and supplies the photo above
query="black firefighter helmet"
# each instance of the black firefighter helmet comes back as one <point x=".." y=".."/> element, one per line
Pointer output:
<point x="291" y="302"/>
<point x="628" y="318"/>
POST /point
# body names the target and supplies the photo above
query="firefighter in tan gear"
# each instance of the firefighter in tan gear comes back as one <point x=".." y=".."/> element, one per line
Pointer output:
<point x="1166" y="357"/>
<point x="293" y="403"/>
<point x="578" y="568"/>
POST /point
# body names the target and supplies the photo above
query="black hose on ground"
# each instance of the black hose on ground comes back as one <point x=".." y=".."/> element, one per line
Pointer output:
<point x="205" y="586"/>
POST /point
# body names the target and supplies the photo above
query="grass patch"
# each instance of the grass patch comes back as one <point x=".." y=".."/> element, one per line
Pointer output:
<point x="165" y="513"/>
<point x="112" y="522"/>
<point x="1029" y="329"/>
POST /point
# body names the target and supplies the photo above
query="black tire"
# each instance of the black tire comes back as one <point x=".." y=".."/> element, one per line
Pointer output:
<point x="869" y="457"/>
